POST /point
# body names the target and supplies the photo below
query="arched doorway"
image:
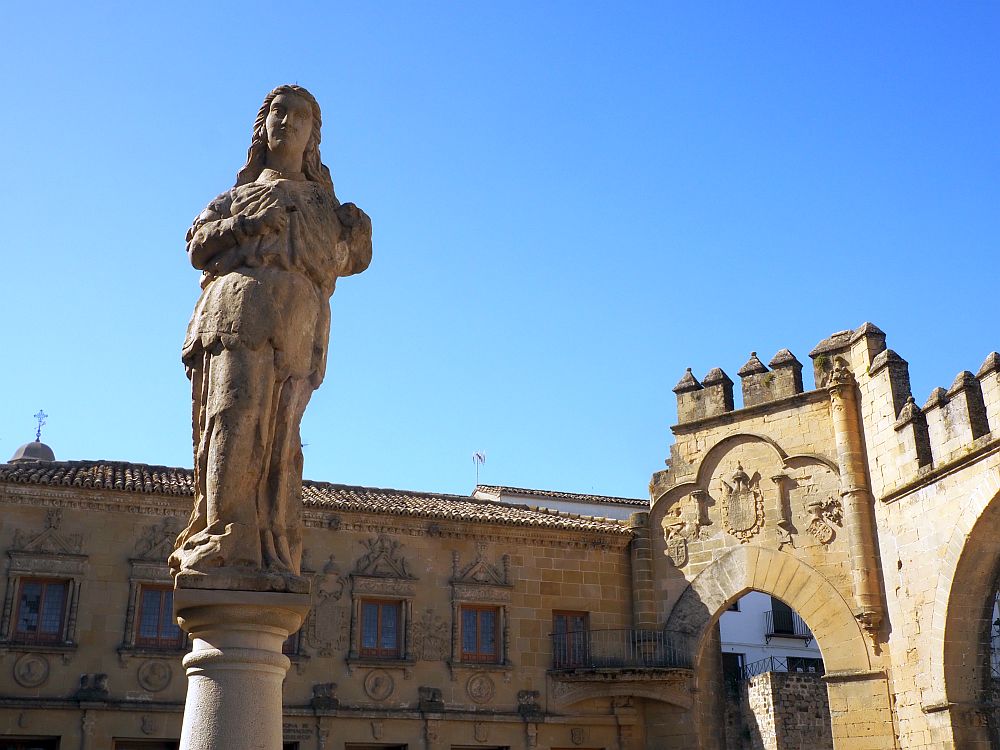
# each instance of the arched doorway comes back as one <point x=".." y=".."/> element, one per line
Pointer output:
<point x="969" y="651"/>
<point x="851" y="680"/>
<point x="772" y="692"/>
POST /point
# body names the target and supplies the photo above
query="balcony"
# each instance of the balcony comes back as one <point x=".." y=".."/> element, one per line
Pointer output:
<point x="621" y="649"/>
<point x="783" y="623"/>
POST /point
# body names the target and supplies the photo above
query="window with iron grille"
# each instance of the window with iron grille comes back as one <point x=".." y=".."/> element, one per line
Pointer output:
<point x="381" y="629"/>
<point x="480" y="634"/>
<point x="569" y="638"/>
<point x="41" y="610"/>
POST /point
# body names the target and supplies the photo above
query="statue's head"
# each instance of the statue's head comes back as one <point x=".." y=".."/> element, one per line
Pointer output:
<point x="312" y="167"/>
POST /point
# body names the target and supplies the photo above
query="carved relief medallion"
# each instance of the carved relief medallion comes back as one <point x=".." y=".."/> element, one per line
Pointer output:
<point x="379" y="685"/>
<point x="480" y="688"/>
<point x="742" y="505"/>
<point x="154" y="675"/>
<point x="31" y="670"/>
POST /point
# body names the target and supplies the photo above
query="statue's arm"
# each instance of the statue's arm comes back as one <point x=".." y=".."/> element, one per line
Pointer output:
<point x="215" y="230"/>
<point x="356" y="234"/>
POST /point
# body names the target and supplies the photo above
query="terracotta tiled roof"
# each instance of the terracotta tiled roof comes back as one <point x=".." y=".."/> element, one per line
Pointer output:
<point x="452" y="507"/>
<point x="102" y="475"/>
<point x="497" y="490"/>
<point x="165" y="480"/>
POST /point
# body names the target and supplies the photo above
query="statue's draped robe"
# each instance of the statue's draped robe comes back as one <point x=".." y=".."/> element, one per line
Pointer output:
<point x="255" y="350"/>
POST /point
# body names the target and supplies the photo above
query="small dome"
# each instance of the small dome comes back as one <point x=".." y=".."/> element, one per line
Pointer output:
<point x="33" y="451"/>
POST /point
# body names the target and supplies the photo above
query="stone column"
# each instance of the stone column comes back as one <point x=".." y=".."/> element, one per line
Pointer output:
<point x="236" y="668"/>
<point x="857" y="498"/>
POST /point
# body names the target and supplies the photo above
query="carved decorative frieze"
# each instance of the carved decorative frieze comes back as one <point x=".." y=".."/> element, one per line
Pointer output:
<point x="742" y="505"/>
<point x="391" y="587"/>
<point x="474" y="592"/>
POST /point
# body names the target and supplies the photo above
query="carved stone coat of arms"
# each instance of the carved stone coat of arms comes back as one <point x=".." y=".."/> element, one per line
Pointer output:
<point x="742" y="505"/>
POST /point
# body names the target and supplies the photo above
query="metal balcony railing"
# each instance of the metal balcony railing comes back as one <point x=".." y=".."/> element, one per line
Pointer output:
<point x="785" y="624"/>
<point x="777" y="664"/>
<point x="625" y="648"/>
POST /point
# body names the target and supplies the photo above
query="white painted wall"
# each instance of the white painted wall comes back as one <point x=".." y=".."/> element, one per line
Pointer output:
<point x="743" y="633"/>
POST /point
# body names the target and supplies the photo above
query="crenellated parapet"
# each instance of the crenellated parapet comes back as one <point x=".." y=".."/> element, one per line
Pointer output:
<point x="904" y="438"/>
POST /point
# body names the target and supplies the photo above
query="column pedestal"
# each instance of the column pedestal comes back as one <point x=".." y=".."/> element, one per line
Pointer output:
<point x="236" y="668"/>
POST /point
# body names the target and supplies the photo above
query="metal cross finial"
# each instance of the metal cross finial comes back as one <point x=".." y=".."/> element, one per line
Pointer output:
<point x="41" y="417"/>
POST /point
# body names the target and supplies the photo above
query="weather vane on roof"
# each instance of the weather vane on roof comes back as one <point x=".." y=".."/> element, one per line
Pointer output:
<point x="41" y="417"/>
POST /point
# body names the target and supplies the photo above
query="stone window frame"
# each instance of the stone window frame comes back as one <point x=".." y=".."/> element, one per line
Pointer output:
<point x="39" y="636"/>
<point x="396" y="652"/>
<point x="160" y="643"/>
<point x="388" y="589"/>
<point x="145" y="573"/>
<point x="27" y="565"/>
<point x="497" y="633"/>
<point x="476" y="593"/>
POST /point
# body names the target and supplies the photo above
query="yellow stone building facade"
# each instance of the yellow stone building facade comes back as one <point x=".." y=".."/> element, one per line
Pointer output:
<point x="453" y="622"/>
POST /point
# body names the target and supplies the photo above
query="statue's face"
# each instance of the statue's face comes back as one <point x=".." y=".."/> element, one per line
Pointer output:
<point x="289" y="124"/>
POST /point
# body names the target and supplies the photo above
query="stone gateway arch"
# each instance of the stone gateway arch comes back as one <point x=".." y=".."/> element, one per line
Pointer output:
<point x="875" y="519"/>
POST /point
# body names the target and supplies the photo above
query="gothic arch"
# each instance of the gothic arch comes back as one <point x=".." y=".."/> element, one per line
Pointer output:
<point x="802" y="587"/>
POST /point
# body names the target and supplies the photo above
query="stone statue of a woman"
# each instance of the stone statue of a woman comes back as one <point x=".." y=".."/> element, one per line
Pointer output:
<point x="271" y="250"/>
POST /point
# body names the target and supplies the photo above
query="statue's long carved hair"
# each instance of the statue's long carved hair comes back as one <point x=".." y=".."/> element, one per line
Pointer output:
<point x="312" y="167"/>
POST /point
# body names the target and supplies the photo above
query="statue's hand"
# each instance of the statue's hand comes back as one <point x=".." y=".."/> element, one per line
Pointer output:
<point x="351" y="216"/>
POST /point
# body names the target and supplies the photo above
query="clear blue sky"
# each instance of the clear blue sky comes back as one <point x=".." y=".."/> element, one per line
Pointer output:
<point x="572" y="202"/>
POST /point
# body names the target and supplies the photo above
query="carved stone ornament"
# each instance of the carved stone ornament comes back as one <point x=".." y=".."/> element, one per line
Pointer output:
<point x="149" y="724"/>
<point x="379" y="685"/>
<point x="480" y="688"/>
<point x="48" y="541"/>
<point x="677" y="530"/>
<point x="431" y="635"/>
<point x="271" y="250"/>
<point x="377" y="729"/>
<point x="823" y="515"/>
<point x="481" y="731"/>
<point x="327" y="627"/>
<point x="154" y="675"/>
<point x="382" y="558"/>
<point x="578" y="735"/>
<point x="31" y="670"/>
<point x="481" y="570"/>
<point x="157" y="541"/>
<point x="742" y="505"/>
